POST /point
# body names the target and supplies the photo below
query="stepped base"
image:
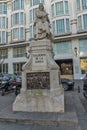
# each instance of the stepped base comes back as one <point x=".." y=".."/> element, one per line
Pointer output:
<point x="39" y="103"/>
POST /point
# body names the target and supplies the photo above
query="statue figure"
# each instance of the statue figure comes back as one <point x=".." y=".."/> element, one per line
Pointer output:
<point x="42" y="24"/>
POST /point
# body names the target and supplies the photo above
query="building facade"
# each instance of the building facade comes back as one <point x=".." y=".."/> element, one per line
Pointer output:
<point x="69" y="26"/>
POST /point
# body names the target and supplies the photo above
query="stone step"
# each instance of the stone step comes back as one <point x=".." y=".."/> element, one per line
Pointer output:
<point x="57" y="119"/>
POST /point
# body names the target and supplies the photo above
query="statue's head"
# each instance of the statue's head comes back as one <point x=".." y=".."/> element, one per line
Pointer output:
<point x="41" y="7"/>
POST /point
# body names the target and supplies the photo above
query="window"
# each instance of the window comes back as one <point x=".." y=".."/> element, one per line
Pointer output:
<point x="78" y="5"/>
<point x="84" y="4"/>
<point x="19" y="52"/>
<point x="3" y="8"/>
<point x="2" y="36"/>
<point x="83" y="46"/>
<point x="22" y="4"/>
<point x="67" y="25"/>
<point x="83" y="64"/>
<point x="60" y="26"/>
<point x="59" y="8"/>
<point x="42" y="1"/>
<point x="35" y="2"/>
<point x="15" y="33"/>
<point x="18" y="4"/>
<point x="66" y="66"/>
<point x="18" y="33"/>
<point x="52" y="9"/>
<point x="3" y="53"/>
<point x="17" y="68"/>
<point x="22" y="33"/>
<point x="63" y="48"/>
<point x="22" y="18"/>
<point x="32" y="14"/>
<point x="66" y="7"/>
<point x="2" y="22"/>
<point x="85" y="21"/>
<point x="18" y="18"/>
<point x="79" y="23"/>
<point x="4" y="68"/>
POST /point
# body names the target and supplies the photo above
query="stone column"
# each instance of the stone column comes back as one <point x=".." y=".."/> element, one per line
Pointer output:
<point x="73" y="18"/>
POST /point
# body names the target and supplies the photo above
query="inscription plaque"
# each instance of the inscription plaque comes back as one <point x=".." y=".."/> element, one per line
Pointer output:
<point x="39" y="59"/>
<point x="38" y="80"/>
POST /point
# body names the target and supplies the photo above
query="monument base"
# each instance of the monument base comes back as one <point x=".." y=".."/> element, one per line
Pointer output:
<point x="35" y="101"/>
<point x="41" y="90"/>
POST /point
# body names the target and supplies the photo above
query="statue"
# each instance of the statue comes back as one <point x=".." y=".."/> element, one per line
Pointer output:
<point x="42" y="24"/>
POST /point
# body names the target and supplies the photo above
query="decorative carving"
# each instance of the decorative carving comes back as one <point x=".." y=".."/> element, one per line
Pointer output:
<point x="38" y="80"/>
<point x="28" y="64"/>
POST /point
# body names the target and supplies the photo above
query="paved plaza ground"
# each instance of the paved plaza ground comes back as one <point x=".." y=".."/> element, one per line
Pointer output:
<point x="74" y="118"/>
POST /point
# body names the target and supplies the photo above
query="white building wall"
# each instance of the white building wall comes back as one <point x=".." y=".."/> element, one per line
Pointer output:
<point x="76" y="59"/>
<point x="27" y="5"/>
<point x="9" y="22"/>
<point x="73" y="17"/>
<point x="73" y="14"/>
<point x="10" y="61"/>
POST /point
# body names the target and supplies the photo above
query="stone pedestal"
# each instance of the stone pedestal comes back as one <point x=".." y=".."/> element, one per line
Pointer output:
<point x="41" y="91"/>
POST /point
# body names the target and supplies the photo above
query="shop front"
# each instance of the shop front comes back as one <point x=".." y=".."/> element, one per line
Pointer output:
<point x="66" y="68"/>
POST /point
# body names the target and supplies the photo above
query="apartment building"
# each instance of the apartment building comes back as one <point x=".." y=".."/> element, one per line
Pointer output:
<point x="69" y="26"/>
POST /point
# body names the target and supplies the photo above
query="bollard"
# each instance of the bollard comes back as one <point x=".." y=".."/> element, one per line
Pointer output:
<point x="78" y="89"/>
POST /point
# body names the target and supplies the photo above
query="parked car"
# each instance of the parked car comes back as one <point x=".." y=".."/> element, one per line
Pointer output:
<point x="67" y="84"/>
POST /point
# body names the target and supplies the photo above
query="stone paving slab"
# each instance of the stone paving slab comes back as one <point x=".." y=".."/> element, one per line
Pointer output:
<point x="69" y="117"/>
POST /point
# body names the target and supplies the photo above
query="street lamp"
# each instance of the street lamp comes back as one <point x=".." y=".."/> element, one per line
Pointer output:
<point x="75" y="50"/>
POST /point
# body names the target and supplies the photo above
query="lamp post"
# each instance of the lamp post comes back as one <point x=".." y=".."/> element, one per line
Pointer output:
<point x="75" y="50"/>
<point x="77" y="69"/>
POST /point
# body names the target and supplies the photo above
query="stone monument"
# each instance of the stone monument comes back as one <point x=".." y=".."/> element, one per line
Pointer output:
<point x="41" y="90"/>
